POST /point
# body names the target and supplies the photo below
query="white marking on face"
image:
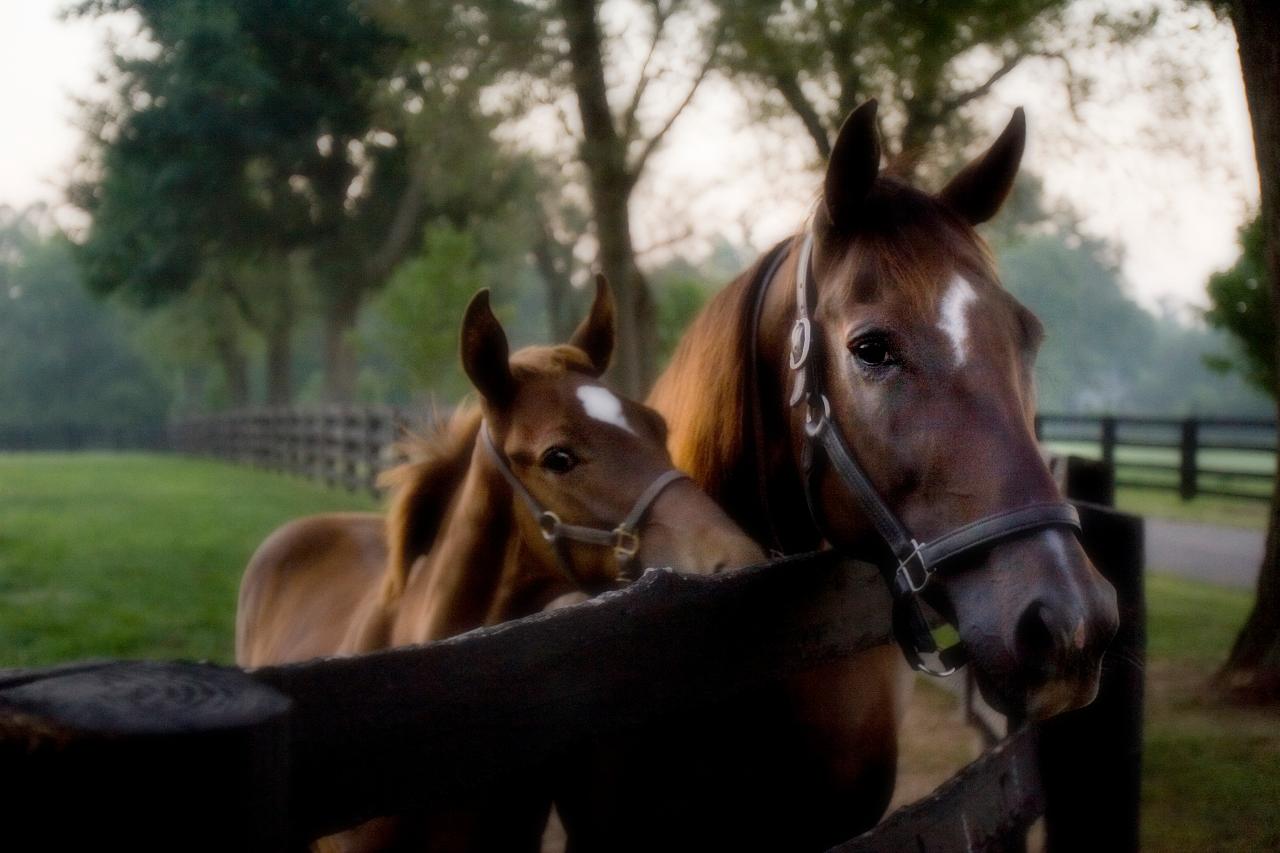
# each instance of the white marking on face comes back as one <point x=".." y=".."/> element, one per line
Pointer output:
<point x="601" y="404"/>
<point x="953" y="319"/>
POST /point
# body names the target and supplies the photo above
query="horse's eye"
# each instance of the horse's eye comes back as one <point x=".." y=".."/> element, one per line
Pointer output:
<point x="558" y="460"/>
<point x="873" y="352"/>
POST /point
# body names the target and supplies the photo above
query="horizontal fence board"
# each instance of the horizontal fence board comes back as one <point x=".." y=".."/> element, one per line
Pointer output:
<point x="979" y="808"/>
<point x="474" y="710"/>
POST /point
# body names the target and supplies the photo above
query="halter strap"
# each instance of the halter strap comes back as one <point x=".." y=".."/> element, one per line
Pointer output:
<point x="916" y="562"/>
<point x="624" y="539"/>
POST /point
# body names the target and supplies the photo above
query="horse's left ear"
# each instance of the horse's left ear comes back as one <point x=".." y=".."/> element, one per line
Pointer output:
<point x="594" y="335"/>
<point x="853" y="166"/>
<point x="977" y="192"/>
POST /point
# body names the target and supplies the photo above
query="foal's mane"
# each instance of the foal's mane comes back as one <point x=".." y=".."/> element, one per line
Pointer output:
<point x="422" y="487"/>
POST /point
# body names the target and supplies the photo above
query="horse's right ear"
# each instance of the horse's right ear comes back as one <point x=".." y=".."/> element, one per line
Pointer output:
<point x="854" y="164"/>
<point x="485" y="352"/>
<point x="594" y="335"/>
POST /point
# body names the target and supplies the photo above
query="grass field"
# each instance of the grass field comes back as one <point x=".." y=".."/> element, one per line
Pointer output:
<point x="140" y="556"/>
<point x="120" y="555"/>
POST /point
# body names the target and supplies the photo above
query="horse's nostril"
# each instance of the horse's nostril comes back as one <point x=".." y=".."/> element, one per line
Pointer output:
<point x="1036" y="641"/>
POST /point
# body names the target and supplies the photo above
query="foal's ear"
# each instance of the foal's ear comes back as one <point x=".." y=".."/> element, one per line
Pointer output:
<point x="485" y="352"/>
<point x="854" y="164"/>
<point x="977" y="192"/>
<point x="594" y="335"/>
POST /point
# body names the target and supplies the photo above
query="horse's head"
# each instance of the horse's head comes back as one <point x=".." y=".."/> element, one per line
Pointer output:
<point x="589" y="470"/>
<point x="928" y="367"/>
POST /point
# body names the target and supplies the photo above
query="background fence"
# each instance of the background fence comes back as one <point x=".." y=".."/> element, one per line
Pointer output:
<point x="346" y="445"/>
<point x="1231" y="457"/>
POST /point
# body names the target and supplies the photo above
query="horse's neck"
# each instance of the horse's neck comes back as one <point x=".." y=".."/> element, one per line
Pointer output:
<point x="451" y="589"/>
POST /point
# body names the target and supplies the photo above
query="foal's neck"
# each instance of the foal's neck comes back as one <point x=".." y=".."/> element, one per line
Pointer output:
<point x="480" y="572"/>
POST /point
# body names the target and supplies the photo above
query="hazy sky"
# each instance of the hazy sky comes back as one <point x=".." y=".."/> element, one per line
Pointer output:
<point x="1174" y="214"/>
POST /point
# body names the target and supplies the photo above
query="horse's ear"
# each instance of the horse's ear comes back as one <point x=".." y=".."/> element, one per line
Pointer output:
<point x="594" y="335"/>
<point x="485" y="352"/>
<point x="854" y="164"/>
<point x="977" y="192"/>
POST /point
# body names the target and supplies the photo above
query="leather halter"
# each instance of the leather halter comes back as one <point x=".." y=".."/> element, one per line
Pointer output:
<point x="916" y="561"/>
<point x="623" y="539"/>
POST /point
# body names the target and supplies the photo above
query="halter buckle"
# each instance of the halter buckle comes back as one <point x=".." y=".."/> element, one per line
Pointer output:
<point x="626" y="543"/>
<point x="904" y="573"/>
<point x="800" y="337"/>
<point x="549" y="523"/>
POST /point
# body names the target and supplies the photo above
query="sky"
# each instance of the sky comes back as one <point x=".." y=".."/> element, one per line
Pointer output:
<point x="1174" y="214"/>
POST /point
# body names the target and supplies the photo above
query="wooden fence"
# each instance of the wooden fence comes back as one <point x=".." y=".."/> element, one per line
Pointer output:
<point x="341" y="445"/>
<point x="1230" y="457"/>
<point x="187" y="756"/>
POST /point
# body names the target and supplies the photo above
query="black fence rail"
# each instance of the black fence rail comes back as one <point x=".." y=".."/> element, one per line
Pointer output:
<point x="341" y="445"/>
<point x="1229" y="457"/>
<point x="165" y="756"/>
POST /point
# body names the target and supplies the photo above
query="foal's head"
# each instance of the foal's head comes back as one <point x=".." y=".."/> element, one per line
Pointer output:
<point x="590" y="458"/>
<point x="929" y="365"/>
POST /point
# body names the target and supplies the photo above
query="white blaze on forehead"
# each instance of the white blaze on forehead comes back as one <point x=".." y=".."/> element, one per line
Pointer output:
<point x="601" y="404"/>
<point x="953" y="319"/>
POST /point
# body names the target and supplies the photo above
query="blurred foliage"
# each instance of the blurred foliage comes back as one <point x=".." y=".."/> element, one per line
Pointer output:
<point x="925" y="62"/>
<point x="1240" y="304"/>
<point x="65" y="358"/>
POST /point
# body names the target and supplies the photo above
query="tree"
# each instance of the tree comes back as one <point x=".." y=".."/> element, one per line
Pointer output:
<point x="926" y="62"/>
<point x="1252" y="670"/>
<point x="64" y="361"/>
<point x="1240" y="304"/>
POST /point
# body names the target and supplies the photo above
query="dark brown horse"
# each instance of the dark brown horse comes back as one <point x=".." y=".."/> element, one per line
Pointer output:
<point x="880" y="333"/>
<point x="552" y="489"/>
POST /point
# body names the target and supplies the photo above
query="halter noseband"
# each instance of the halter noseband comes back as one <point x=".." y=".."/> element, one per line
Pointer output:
<point x="916" y="561"/>
<point x="623" y="539"/>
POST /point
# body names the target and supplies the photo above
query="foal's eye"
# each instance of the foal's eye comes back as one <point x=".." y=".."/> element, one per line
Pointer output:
<point x="873" y="351"/>
<point x="558" y="460"/>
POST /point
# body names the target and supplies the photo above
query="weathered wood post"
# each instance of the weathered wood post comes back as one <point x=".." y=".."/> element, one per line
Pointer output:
<point x="1109" y="441"/>
<point x="156" y="756"/>
<point x="1187" y="485"/>
<point x="1091" y="759"/>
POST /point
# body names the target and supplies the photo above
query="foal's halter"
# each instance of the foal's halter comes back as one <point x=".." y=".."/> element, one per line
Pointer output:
<point x="916" y="561"/>
<point x="623" y="539"/>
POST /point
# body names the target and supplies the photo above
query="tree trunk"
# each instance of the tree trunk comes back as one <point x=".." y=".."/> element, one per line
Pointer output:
<point x="553" y="267"/>
<point x="1252" y="672"/>
<point x="279" y="365"/>
<point x="235" y="367"/>
<point x="604" y="153"/>
<point x="339" y="351"/>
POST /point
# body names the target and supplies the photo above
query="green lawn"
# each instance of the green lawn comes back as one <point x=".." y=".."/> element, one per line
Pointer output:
<point x="109" y="555"/>
<point x="1211" y="774"/>
<point x="132" y="555"/>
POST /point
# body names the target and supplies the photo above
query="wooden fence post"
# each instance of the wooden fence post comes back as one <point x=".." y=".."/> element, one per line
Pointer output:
<point x="160" y="756"/>
<point x="1187" y="462"/>
<point x="1109" y="441"/>
<point x="1091" y="759"/>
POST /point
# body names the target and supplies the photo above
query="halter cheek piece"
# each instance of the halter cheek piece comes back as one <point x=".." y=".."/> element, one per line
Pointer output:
<point x="623" y="539"/>
<point x="916" y="561"/>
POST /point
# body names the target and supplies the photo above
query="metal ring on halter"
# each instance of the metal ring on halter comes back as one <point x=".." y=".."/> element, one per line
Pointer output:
<point x="814" y="426"/>
<point x="800" y="337"/>
<point x="941" y="672"/>
<point x="625" y="543"/>
<point x="549" y="523"/>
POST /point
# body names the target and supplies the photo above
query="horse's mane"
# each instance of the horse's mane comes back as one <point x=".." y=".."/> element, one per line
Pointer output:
<point x="422" y="486"/>
<point x="707" y="421"/>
